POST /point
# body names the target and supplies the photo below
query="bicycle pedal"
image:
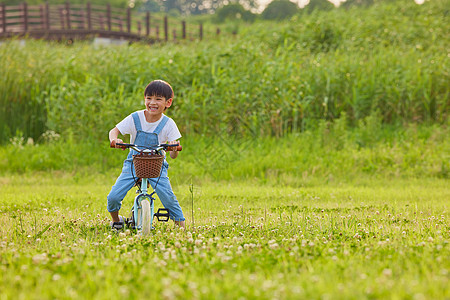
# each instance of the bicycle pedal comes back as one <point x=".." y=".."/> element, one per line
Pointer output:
<point x="130" y="223"/>
<point x="162" y="215"/>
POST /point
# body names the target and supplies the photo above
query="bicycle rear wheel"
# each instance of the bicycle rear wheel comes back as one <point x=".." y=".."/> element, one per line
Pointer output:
<point x="144" y="217"/>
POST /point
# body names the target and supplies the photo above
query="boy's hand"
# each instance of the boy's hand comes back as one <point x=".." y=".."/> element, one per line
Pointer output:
<point x="114" y="142"/>
<point x="173" y="150"/>
<point x="113" y="138"/>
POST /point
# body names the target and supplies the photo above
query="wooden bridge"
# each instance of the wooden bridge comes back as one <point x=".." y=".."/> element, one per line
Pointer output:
<point x="85" y="21"/>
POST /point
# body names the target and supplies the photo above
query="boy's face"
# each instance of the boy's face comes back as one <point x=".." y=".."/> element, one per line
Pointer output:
<point x="156" y="105"/>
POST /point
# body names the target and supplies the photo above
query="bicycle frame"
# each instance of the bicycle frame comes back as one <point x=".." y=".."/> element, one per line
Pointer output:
<point x="137" y="204"/>
<point x="143" y="192"/>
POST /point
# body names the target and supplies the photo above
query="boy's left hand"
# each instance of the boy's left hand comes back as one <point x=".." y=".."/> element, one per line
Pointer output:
<point x="173" y="151"/>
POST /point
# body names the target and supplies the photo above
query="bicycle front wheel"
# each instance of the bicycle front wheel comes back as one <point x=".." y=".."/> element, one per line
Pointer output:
<point x="145" y="216"/>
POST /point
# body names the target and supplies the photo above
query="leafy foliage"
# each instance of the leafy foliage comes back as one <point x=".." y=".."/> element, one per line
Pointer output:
<point x="234" y="11"/>
<point x="113" y="3"/>
<point x="273" y="79"/>
<point x="350" y="3"/>
<point x="331" y="150"/>
<point x="182" y="7"/>
<point x="319" y="5"/>
<point x="279" y="10"/>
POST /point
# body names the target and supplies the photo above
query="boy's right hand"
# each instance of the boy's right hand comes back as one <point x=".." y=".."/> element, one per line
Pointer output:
<point x="114" y="142"/>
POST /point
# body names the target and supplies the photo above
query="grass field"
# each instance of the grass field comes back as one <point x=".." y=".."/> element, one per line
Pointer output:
<point x="376" y="239"/>
<point x="271" y="79"/>
<point x="315" y="164"/>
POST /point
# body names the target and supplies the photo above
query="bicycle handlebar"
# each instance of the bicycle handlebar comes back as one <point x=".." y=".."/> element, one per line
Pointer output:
<point x="166" y="147"/>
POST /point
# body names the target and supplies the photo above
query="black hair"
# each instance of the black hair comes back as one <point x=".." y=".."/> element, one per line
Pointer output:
<point x="159" y="88"/>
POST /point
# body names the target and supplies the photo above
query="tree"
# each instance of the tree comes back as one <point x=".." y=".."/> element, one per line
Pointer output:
<point x="197" y="7"/>
<point x="320" y="5"/>
<point x="150" y="5"/>
<point x="114" y="3"/>
<point x="234" y="11"/>
<point x="350" y="3"/>
<point x="279" y="9"/>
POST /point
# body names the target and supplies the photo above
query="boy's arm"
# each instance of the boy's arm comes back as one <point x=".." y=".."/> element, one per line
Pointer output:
<point x="173" y="154"/>
<point x="113" y="136"/>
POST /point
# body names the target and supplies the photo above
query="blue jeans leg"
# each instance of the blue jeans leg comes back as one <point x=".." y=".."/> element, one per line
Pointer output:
<point x="168" y="198"/>
<point x="119" y="190"/>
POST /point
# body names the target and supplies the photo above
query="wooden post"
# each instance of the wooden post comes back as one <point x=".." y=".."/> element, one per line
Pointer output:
<point x="3" y="6"/>
<point x="25" y="16"/>
<point x="47" y="16"/>
<point x="218" y="31"/>
<point x="174" y="32"/>
<point x="183" y="29"/>
<point x="157" y="32"/>
<point x="42" y="16"/>
<point x="88" y="15"/>
<point x="139" y="27"/>
<point x="166" y="29"/>
<point x="128" y="20"/>
<point x="68" y="15"/>
<point x="108" y="16"/>
<point x="82" y="19"/>
<point x="147" y="24"/>
<point x="201" y="32"/>
<point x="61" y="17"/>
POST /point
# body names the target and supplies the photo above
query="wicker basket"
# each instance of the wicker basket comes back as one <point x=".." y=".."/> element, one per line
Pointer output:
<point x="148" y="166"/>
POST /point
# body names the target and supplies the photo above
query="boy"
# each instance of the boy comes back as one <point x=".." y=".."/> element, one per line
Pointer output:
<point x="147" y="127"/>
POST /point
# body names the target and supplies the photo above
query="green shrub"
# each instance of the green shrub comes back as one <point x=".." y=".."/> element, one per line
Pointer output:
<point x="233" y="12"/>
<point x="323" y="5"/>
<point x="279" y="10"/>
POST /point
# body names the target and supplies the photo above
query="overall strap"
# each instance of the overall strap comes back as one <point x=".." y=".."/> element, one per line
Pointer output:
<point x="137" y="122"/>
<point x="161" y="125"/>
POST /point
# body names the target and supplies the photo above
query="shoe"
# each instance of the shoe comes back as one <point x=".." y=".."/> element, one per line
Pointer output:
<point x="117" y="225"/>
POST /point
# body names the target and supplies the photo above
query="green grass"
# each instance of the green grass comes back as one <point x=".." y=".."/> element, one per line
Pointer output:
<point x="378" y="239"/>
<point x="272" y="79"/>
<point x="331" y="152"/>
<point x="333" y="213"/>
<point x="317" y="156"/>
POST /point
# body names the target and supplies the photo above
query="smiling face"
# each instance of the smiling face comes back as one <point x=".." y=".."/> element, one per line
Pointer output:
<point x="155" y="106"/>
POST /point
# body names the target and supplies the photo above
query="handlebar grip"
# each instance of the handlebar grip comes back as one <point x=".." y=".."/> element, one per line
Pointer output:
<point x="179" y="148"/>
<point x="113" y="144"/>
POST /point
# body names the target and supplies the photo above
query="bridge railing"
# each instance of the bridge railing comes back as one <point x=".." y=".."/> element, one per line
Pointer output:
<point x="83" y="20"/>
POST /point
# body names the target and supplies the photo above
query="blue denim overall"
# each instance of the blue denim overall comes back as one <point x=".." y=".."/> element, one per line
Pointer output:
<point x="126" y="181"/>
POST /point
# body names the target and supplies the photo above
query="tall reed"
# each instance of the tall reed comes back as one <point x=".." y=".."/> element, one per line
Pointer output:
<point x="332" y="151"/>
<point x="267" y="81"/>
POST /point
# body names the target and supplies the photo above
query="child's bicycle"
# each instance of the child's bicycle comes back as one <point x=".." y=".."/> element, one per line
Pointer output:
<point x="148" y="163"/>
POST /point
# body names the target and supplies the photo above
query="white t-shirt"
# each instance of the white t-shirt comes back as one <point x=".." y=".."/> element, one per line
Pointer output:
<point x="169" y="132"/>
